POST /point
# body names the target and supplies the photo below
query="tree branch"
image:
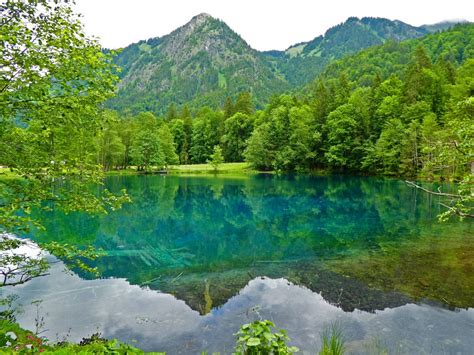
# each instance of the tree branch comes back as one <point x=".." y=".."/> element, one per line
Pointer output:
<point x="411" y="183"/>
<point x="457" y="211"/>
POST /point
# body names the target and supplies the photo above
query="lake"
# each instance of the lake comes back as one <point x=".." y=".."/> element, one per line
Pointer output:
<point x="194" y="257"/>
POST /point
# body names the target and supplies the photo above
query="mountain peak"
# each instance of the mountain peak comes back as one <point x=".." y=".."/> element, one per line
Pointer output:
<point x="201" y="18"/>
<point x="202" y="15"/>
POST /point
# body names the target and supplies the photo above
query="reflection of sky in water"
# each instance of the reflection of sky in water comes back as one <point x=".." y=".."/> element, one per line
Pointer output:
<point x="160" y="322"/>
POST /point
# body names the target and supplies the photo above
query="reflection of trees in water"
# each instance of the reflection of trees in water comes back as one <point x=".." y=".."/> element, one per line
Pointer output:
<point x="434" y="266"/>
<point x="183" y="226"/>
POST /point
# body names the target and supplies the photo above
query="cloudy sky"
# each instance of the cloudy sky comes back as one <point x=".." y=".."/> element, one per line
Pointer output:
<point x="264" y="24"/>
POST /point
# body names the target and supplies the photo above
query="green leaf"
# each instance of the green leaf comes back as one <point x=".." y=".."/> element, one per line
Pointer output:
<point x="253" y="342"/>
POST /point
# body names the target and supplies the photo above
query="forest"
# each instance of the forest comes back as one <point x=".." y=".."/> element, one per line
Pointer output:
<point x="398" y="109"/>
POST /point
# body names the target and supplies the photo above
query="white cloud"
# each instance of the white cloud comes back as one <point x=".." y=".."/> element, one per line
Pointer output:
<point x="264" y="24"/>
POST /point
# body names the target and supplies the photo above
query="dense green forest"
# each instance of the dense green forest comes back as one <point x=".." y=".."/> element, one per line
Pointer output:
<point x="303" y="61"/>
<point x="202" y="62"/>
<point x="401" y="109"/>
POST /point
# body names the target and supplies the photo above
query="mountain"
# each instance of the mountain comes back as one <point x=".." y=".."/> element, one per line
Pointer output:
<point x="200" y="63"/>
<point x="204" y="61"/>
<point x="346" y="38"/>
<point x="442" y="26"/>
<point x="447" y="50"/>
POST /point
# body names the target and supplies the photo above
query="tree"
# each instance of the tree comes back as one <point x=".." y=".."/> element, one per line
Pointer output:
<point x="237" y="130"/>
<point x="385" y="157"/>
<point x="244" y="104"/>
<point x="304" y="140"/>
<point x="417" y="81"/>
<point x="167" y="145"/>
<point x="53" y="80"/>
<point x="207" y="132"/>
<point x="126" y="129"/>
<point x="111" y="150"/>
<point x="146" y="150"/>
<point x="216" y="158"/>
<point x="179" y="137"/>
<point x="188" y="133"/>
<point x="260" y="150"/>
<point x="345" y="141"/>
<point x="171" y="113"/>
<point x="228" y="107"/>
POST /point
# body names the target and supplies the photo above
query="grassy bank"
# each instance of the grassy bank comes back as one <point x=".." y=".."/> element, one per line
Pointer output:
<point x="224" y="168"/>
<point x="209" y="169"/>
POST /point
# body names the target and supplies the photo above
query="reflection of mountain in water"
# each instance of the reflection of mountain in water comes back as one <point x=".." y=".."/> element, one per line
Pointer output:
<point x="205" y="290"/>
<point x="154" y="321"/>
<point x="203" y="238"/>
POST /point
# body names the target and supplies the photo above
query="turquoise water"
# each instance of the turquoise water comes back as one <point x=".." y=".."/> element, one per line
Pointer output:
<point x="185" y="260"/>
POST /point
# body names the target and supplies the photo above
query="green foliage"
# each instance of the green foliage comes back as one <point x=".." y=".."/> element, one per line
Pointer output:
<point x="332" y="341"/>
<point x="216" y="158"/>
<point x="237" y="130"/>
<point x="201" y="64"/>
<point x="167" y="145"/>
<point x="206" y="134"/>
<point x="18" y="268"/>
<point x="344" y="137"/>
<point x="53" y="82"/>
<point x="146" y="150"/>
<point x="16" y="340"/>
<point x="261" y="337"/>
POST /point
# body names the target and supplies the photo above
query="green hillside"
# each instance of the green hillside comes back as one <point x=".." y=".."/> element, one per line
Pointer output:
<point x="309" y="58"/>
<point x="204" y="62"/>
<point x="200" y="63"/>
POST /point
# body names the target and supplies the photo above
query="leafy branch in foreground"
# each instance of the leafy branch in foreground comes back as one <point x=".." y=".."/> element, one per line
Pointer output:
<point x="19" y="266"/>
<point x="460" y="204"/>
<point x="53" y="82"/>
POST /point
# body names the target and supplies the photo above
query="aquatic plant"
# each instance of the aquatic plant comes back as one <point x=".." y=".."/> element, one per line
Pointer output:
<point x="262" y="337"/>
<point x="332" y="341"/>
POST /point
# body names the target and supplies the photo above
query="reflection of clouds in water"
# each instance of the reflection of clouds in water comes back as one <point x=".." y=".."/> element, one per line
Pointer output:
<point x="161" y="322"/>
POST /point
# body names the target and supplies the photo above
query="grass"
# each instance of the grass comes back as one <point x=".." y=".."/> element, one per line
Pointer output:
<point x="224" y="168"/>
<point x="208" y="169"/>
<point x="332" y="341"/>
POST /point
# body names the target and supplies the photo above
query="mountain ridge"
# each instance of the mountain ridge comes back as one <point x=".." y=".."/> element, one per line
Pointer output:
<point x="204" y="61"/>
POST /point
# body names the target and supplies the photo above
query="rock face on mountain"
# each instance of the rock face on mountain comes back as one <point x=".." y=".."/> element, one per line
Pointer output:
<point x="204" y="61"/>
<point x="200" y="63"/>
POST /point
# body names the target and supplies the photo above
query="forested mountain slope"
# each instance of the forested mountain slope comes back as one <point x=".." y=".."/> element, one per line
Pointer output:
<point x="200" y="63"/>
<point x="310" y="58"/>
<point x="204" y="61"/>
<point x="453" y="46"/>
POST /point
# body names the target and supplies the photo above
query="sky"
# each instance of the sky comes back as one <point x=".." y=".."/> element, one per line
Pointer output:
<point x="263" y="24"/>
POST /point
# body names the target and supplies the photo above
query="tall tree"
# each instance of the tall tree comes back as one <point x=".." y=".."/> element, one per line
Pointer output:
<point x="53" y="80"/>
<point x="237" y="130"/>
<point x="171" y="113"/>
<point x="167" y="145"/>
<point x="244" y="103"/>
<point x="228" y="107"/>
